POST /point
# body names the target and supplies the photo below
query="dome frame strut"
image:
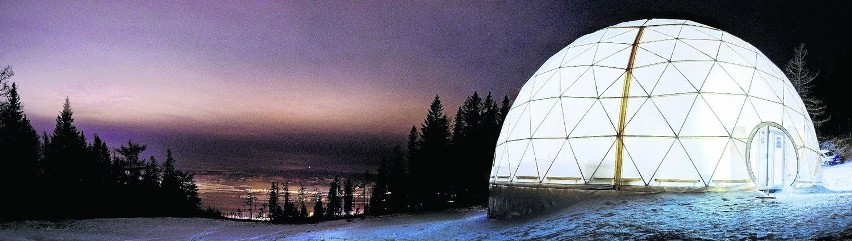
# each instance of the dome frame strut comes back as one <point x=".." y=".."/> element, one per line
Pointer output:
<point x="622" y="116"/>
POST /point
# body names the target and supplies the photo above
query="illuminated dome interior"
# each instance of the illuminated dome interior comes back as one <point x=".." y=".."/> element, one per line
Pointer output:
<point x="657" y="102"/>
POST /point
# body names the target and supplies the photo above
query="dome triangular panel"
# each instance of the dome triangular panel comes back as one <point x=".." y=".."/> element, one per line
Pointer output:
<point x="719" y="81"/>
<point x="594" y="123"/>
<point x="544" y="126"/>
<point x="702" y="121"/>
<point x="648" y="122"/>
<point x="594" y="150"/>
<point x="676" y="168"/>
<point x="573" y="110"/>
<point x="584" y="86"/>
<point x="675" y="108"/>
<point x="549" y="87"/>
<point x="694" y="71"/>
<point x="648" y="154"/>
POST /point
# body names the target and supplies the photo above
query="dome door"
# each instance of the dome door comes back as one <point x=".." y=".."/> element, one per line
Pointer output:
<point x="772" y="160"/>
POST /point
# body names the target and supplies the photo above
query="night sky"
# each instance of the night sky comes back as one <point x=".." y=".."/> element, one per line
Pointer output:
<point x="266" y="86"/>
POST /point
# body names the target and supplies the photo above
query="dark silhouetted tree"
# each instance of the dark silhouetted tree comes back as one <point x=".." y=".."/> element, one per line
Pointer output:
<point x="250" y="202"/>
<point x="413" y="168"/>
<point x="100" y="153"/>
<point x="302" y="198"/>
<point x="334" y="200"/>
<point x="397" y="182"/>
<point x="379" y="198"/>
<point x="275" y="213"/>
<point x="348" y="197"/>
<point x="19" y="149"/>
<point x="151" y="188"/>
<point x="180" y="194"/>
<point x="432" y="159"/>
<point x="171" y="185"/>
<point x="319" y="211"/>
<point x="504" y="110"/>
<point x="289" y="207"/>
<point x="63" y="163"/>
<point x="467" y="147"/>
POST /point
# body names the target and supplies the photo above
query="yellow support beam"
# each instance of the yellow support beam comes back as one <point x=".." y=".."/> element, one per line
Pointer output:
<point x="622" y="117"/>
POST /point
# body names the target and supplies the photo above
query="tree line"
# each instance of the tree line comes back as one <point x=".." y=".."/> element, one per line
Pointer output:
<point x="284" y="206"/>
<point x="62" y="175"/>
<point x="444" y="164"/>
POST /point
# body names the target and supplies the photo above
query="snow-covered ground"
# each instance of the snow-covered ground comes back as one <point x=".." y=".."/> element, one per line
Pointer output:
<point x="839" y="177"/>
<point x="737" y="215"/>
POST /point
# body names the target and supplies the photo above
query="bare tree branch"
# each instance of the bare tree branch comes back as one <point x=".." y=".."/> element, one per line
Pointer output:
<point x="803" y="81"/>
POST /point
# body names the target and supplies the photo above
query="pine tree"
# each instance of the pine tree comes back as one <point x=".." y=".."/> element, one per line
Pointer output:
<point x="432" y="158"/>
<point x="379" y="199"/>
<point x="5" y="75"/>
<point x="274" y="208"/>
<point x="62" y="168"/>
<point x="100" y="153"/>
<point x="483" y="142"/>
<point x="179" y="191"/>
<point x="250" y="202"/>
<point x="150" y="188"/>
<point x="151" y="177"/>
<point x="191" y="202"/>
<point x="171" y="186"/>
<point x="133" y="164"/>
<point x="289" y="208"/>
<point x="19" y="148"/>
<point x="397" y="181"/>
<point x="334" y="201"/>
<point x="504" y="111"/>
<point x="302" y="197"/>
<point x="468" y="144"/>
<point x="318" y="208"/>
<point x="348" y="197"/>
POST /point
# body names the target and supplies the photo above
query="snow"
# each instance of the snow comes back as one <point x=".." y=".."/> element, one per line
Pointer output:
<point x="734" y="215"/>
<point x="838" y="177"/>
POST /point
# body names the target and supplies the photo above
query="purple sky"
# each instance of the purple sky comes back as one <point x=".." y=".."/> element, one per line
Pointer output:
<point x="250" y="85"/>
<point x="237" y="72"/>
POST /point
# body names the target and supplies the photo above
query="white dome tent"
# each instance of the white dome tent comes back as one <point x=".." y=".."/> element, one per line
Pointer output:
<point x="657" y="103"/>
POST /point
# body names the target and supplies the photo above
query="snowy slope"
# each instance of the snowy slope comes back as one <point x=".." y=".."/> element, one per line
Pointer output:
<point x="839" y="177"/>
<point x="736" y="215"/>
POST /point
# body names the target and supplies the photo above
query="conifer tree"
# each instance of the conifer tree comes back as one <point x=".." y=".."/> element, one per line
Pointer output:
<point x="413" y="167"/>
<point x="379" y="199"/>
<point x="289" y="207"/>
<point x="302" y="198"/>
<point x="100" y="153"/>
<point x="334" y="201"/>
<point x="274" y="208"/>
<point x="319" y="212"/>
<point x="397" y="181"/>
<point x="504" y="110"/>
<point x="171" y="185"/>
<point x="250" y="202"/>
<point x="19" y="149"/>
<point x="348" y="197"/>
<point x="150" y="187"/>
<point x="432" y="159"/>
<point x="64" y="155"/>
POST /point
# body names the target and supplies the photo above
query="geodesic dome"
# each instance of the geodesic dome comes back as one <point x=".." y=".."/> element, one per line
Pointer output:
<point x="657" y="102"/>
